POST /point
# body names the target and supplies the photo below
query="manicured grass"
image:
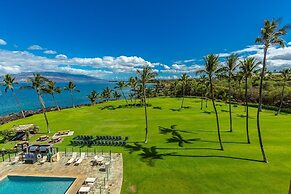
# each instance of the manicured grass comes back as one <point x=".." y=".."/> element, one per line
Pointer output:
<point x="197" y="167"/>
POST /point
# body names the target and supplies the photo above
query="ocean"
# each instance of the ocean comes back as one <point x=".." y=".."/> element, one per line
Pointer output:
<point x="29" y="100"/>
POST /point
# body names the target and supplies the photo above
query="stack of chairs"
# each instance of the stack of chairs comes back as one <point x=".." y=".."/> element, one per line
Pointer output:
<point x="104" y="140"/>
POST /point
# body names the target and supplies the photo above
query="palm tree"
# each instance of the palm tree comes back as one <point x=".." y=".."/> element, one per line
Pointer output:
<point x="120" y="85"/>
<point x="93" y="96"/>
<point x="229" y="69"/>
<point x="238" y="78"/>
<point x="248" y="68"/>
<point x="145" y="75"/>
<point x="72" y="88"/>
<point x="184" y="79"/>
<point x="211" y="62"/>
<point x="201" y="82"/>
<point x="286" y="75"/>
<point x="116" y="95"/>
<point x="50" y="88"/>
<point x="37" y="84"/>
<point x="133" y="84"/>
<point x="270" y="35"/>
<point x="106" y="93"/>
<point x="8" y="82"/>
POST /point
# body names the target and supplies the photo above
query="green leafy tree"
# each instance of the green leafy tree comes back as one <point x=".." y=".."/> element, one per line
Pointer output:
<point x="144" y="76"/>
<point x="211" y="63"/>
<point x="51" y="89"/>
<point x="249" y="67"/>
<point x="72" y="88"/>
<point x="93" y="97"/>
<point x="119" y="86"/>
<point x="286" y="75"/>
<point x="8" y="83"/>
<point x="271" y="34"/>
<point x="37" y="83"/>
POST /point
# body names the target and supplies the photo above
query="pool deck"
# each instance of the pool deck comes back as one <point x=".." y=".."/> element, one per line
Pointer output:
<point x="80" y="172"/>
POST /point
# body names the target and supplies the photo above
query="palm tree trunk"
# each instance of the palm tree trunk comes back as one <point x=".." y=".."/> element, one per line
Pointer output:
<point x="56" y="104"/>
<point x="72" y="99"/>
<point x="124" y="97"/>
<point x="281" y="99"/>
<point x="44" y="112"/>
<point x="19" y="105"/>
<point x="201" y="103"/>
<point x="183" y="97"/>
<point x="216" y="114"/>
<point x="146" y="114"/>
<point x="247" y="109"/>
<point x="229" y="105"/>
<point x="206" y="103"/>
<point x="260" y="105"/>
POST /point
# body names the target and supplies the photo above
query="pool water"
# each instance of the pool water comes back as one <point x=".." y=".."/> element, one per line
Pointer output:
<point x="34" y="185"/>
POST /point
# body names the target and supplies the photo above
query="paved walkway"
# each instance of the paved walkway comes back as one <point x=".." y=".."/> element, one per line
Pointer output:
<point x="81" y="172"/>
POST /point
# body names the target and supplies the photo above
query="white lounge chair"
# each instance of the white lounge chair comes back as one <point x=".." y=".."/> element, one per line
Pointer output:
<point x="16" y="159"/>
<point x="84" y="189"/>
<point x="80" y="159"/>
<point x="73" y="158"/>
<point x="90" y="181"/>
<point x="44" y="159"/>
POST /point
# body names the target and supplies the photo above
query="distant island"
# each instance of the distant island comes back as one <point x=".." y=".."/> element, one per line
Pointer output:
<point x="61" y="77"/>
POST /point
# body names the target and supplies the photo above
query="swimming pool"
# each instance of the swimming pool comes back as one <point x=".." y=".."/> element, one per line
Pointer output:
<point x="34" y="185"/>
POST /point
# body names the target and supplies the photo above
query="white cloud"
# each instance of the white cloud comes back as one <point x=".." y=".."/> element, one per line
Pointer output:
<point x="2" y="42"/>
<point x="50" y="52"/>
<point x="166" y="67"/>
<point x="62" y="57"/>
<point x="35" y="47"/>
<point x="289" y="43"/>
<point x="24" y="61"/>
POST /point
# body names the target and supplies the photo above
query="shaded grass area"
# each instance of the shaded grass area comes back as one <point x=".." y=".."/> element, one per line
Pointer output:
<point x="183" y="155"/>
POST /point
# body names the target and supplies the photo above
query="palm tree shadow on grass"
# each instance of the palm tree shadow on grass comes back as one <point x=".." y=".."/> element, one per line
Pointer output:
<point x="150" y="154"/>
<point x="207" y="112"/>
<point x="175" y="109"/>
<point x="217" y="156"/>
<point x="176" y="135"/>
<point x="109" y="107"/>
<point x="244" y="116"/>
<point x="234" y="142"/>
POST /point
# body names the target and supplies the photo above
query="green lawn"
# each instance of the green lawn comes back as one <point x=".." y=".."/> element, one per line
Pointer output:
<point x="198" y="167"/>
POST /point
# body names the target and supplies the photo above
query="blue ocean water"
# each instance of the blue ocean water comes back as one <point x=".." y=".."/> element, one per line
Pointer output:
<point x="35" y="185"/>
<point x="29" y="100"/>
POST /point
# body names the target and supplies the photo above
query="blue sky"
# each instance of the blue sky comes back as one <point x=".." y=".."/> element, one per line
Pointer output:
<point x="110" y="39"/>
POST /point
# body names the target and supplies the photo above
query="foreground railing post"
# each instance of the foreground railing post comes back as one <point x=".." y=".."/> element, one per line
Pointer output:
<point x="9" y="157"/>
<point x="100" y="189"/>
<point x="80" y="151"/>
<point x="110" y="155"/>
